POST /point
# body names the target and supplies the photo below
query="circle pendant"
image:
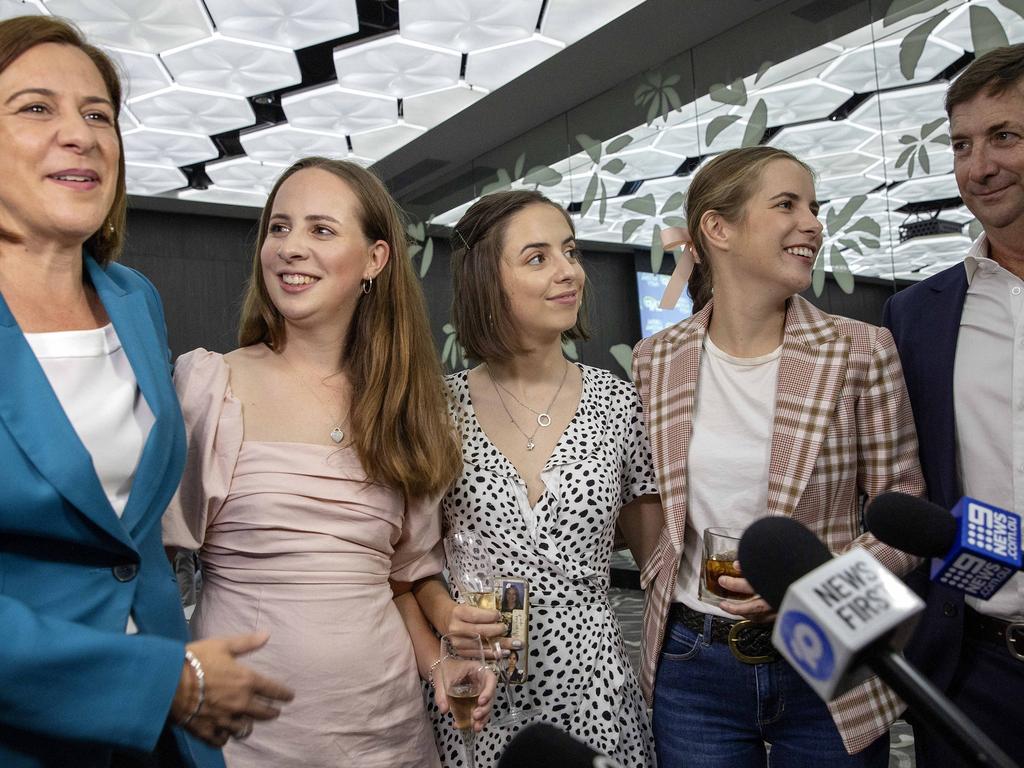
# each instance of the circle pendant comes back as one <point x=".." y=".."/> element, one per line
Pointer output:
<point x="543" y="419"/>
<point x="337" y="435"/>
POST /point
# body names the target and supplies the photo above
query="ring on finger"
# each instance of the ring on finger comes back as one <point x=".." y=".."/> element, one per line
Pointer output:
<point x="244" y="730"/>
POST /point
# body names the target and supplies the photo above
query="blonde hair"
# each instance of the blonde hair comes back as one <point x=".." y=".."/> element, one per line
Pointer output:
<point x="399" y="418"/>
<point x="22" y="33"/>
<point x="724" y="186"/>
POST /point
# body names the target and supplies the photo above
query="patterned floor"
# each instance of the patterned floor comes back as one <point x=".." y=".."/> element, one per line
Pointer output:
<point x="628" y="605"/>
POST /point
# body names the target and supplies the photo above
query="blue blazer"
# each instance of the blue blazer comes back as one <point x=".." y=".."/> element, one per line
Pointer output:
<point x="73" y="686"/>
<point x="925" y="322"/>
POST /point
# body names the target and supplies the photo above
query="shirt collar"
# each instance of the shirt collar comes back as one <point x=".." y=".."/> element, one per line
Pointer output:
<point x="978" y="252"/>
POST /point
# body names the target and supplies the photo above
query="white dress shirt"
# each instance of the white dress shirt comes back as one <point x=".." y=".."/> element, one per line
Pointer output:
<point x="988" y="399"/>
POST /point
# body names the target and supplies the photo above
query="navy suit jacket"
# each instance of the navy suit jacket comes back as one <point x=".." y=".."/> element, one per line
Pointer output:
<point x="73" y="686"/>
<point x="925" y="322"/>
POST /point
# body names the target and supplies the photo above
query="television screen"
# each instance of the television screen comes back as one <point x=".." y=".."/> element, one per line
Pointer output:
<point x="653" y="318"/>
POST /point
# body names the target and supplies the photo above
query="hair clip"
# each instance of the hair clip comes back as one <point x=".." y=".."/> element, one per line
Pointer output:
<point x="461" y="237"/>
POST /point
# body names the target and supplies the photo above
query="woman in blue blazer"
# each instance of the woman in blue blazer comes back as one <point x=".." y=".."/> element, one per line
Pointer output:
<point x="94" y="666"/>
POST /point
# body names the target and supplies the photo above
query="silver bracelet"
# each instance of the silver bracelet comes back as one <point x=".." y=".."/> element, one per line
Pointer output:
<point x="430" y="674"/>
<point x="197" y="669"/>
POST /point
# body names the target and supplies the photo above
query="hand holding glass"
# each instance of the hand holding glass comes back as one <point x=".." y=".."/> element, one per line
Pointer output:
<point x="463" y="675"/>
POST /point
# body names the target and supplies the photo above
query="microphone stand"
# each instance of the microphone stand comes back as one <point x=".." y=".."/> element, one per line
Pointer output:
<point x="929" y="703"/>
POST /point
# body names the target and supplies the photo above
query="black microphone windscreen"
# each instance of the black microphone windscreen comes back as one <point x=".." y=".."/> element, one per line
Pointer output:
<point x="911" y="524"/>
<point x="776" y="551"/>
<point x="544" y="746"/>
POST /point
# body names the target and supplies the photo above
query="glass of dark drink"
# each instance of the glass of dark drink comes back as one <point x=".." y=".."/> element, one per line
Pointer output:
<point x="721" y="546"/>
<point x="463" y="674"/>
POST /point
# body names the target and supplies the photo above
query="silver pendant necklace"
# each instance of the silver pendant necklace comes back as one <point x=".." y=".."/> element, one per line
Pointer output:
<point x="337" y="434"/>
<point x="543" y="417"/>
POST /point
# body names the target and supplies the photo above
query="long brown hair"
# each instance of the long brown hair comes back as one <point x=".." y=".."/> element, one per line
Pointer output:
<point x="724" y="186"/>
<point x="481" y="312"/>
<point x="399" y="418"/>
<point x="21" y="33"/>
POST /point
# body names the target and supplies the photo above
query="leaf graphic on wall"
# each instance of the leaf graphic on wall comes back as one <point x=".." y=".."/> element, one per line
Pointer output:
<point x="735" y="94"/>
<point x="840" y="270"/>
<point x="986" y="31"/>
<point x="912" y="46"/>
<point x="757" y="125"/>
<point x="428" y="257"/>
<point x="717" y="125"/>
<point x="818" y="274"/>
<point x="623" y="355"/>
<point x="657" y="250"/>
<point x="569" y="349"/>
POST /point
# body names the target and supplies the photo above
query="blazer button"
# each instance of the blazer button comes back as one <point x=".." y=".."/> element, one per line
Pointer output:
<point x="948" y="609"/>
<point x="125" y="572"/>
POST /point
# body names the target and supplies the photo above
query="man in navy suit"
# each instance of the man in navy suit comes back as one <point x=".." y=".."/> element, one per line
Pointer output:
<point x="961" y="340"/>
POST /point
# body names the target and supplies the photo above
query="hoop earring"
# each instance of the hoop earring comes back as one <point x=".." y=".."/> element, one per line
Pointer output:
<point x="367" y="286"/>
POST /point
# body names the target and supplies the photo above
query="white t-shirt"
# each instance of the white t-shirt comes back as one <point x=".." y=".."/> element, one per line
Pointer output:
<point x="727" y="463"/>
<point x="96" y="387"/>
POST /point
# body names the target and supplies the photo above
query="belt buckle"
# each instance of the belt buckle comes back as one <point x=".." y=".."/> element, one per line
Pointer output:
<point x="1011" y="641"/>
<point x="735" y="637"/>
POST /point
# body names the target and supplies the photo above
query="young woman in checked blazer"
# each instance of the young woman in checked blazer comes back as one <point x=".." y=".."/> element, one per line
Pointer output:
<point x="760" y="404"/>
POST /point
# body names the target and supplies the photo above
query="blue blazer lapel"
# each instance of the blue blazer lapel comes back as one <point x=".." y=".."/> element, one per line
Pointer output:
<point x="146" y="353"/>
<point x="933" y="354"/>
<point x="35" y="419"/>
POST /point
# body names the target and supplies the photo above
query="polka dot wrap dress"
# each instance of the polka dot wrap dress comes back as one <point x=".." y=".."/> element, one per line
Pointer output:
<point x="580" y="676"/>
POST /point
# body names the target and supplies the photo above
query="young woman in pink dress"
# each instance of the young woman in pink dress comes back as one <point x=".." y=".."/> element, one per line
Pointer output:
<point x="317" y="453"/>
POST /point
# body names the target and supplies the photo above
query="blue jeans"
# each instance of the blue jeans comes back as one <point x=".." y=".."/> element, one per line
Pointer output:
<point x="713" y="711"/>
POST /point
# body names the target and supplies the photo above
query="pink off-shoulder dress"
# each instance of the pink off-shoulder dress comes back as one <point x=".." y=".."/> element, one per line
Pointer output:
<point x="296" y="541"/>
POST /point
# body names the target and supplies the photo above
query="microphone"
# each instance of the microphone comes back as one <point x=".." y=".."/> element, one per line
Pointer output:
<point x="831" y="610"/>
<point x="976" y="548"/>
<point x="838" y="616"/>
<point x="544" y="746"/>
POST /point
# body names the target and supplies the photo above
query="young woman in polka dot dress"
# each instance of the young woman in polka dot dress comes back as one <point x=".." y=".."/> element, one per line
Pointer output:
<point x="554" y="455"/>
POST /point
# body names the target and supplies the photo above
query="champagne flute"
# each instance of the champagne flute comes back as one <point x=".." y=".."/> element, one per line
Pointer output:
<point x="463" y="670"/>
<point x="470" y="567"/>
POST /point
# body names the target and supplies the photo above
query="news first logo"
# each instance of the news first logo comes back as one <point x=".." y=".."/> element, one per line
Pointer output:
<point x="807" y="645"/>
<point x="989" y="551"/>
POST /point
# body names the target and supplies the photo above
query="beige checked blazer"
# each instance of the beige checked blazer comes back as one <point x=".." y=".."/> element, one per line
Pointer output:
<point x="842" y="427"/>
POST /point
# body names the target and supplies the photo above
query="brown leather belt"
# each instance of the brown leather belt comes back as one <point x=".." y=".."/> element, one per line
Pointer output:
<point x="749" y="642"/>
<point x="1010" y="634"/>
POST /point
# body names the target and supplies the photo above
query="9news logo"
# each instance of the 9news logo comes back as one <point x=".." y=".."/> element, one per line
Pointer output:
<point x="806" y="645"/>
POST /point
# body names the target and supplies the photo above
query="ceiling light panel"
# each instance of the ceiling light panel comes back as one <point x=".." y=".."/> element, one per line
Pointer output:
<point x="956" y="28"/>
<point x="491" y="68"/>
<point x="331" y="109"/>
<point x="876" y="68"/>
<point x="646" y="163"/>
<point x="11" y="8"/>
<point x="237" y="66"/>
<point x="572" y="20"/>
<point x="244" y="173"/>
<point x="804" y="65"/>
<point x="145" y="72"/>
<point x="796" y="102"/>
<point x="468" y="25"/>
<point x="690" y="139"/>
<point x="224" y="196"/>
<point x="663" y="189"/>
<point x="144" y="25"/>
<point x="148" y="145"/>
<point x="292" y="23"/>
<point x="152" y="178"/>
<point x="905" y="109"/>
<point x="932" y="248"/>
<point x="822" y="138"/>
<point x="928" y="188"/>
<point x="383" y="141"/>
<point x="395" y="67"/>
<point x="202" y="111"/>
<point x="845" y="186"/>
<point x="284" y="144"/>
<point x="842" y="164"/>
<point x="434" y="107"/>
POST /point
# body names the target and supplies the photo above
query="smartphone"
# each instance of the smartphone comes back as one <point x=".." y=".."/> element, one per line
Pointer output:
<point x="513" y="599"/>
